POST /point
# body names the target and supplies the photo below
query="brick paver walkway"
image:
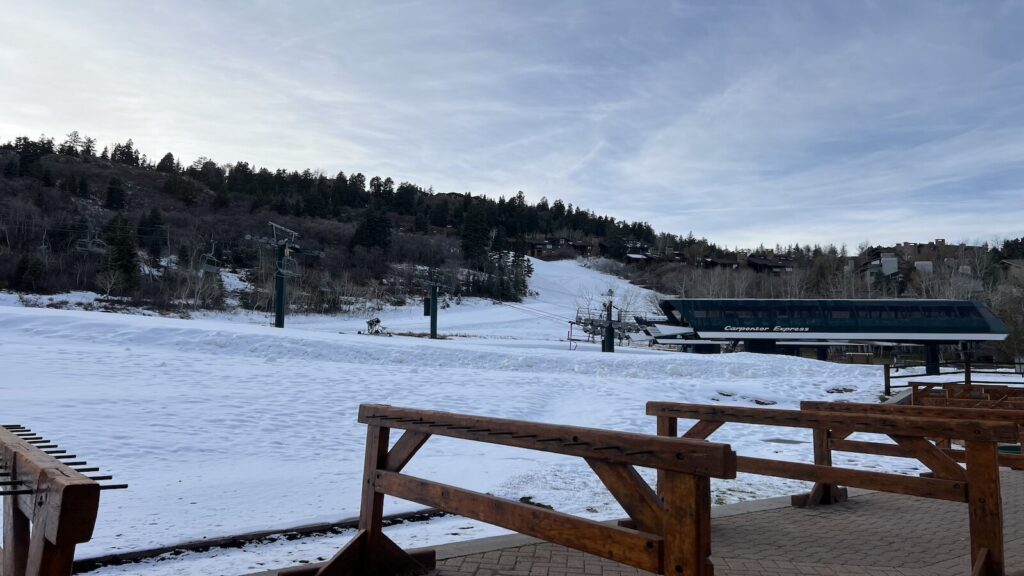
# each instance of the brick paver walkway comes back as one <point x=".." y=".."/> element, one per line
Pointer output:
<point x="874" y="534"/>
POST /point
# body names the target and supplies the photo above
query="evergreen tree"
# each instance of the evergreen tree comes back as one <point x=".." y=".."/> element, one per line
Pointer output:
<point x="476" y="235"/>
<point x="88" y="147"/>
<point x="30" y="273"/>
<point x="152" y="233"/>
<point x="374" y="231"/>
<point x="122" y="256"/>
<point x="166" y="164"/>
<point x="116" y="198"/>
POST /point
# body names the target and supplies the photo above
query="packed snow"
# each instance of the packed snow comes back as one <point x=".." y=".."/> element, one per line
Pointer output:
<point x="223" y="424"/>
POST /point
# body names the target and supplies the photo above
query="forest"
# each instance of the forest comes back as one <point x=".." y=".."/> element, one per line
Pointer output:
<point x="157" y="233"/>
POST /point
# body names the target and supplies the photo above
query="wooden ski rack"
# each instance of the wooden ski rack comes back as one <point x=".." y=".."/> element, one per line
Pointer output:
<point x="977" y="485"/>
<point x="672" y="534"/>
<point x="49" y="504"/>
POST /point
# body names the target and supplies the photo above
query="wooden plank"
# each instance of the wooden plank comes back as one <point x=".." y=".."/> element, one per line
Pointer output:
<point x="668" y="426"/>
<point x="873" y="448"/>
<point x="971" y="403"/>
<point x="48" y="559"/>
<point x="822" y="492"/>
<point x="956" y="413"/>
<point x="931" y="456"/>
<point x="877" y="423"/>
<point x="632" y="492"/>
<point x="940" y="489"/>
<point x="683" y="455"/>
<point x="702" y="429"/>
<point x="985" y="508"/>
<point x="346" y="562"/>
<point x="638" y="549"/>
<point x="1014" y="461"/>
<point x="404" y="449"/>
<point x="371" y="508"/>
<point x="685" y="544"/>
<point x="16" y="538"/>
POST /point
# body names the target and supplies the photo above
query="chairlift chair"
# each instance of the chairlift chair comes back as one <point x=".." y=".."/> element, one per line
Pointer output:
<point x="91" y="246"/>
<point x="289" y="267"/>
<point x="210" y="264"/>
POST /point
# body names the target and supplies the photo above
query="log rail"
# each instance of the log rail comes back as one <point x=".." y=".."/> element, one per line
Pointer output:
<point x="668" y="534"/>
<point x="49" y="504"/>
<point x="977" y="484"/>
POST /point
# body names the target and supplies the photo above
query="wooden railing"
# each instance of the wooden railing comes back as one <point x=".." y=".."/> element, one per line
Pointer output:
<point x="989" y="395"/>
<point x="49" y="505"/>
<point x="977" y="485"/>
<point x="967" y="369"/>
<point x="672" y="534"/>
<point x="946" y="444"/>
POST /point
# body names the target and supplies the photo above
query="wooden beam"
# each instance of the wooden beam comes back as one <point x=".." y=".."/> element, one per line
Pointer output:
<point x="682" y="455"/>
<point x="940" y="489"/>
<point x="952" y="412"/>
<point x="633" y="493"/>
<point x="931" y="456"/>
<point x="346" y="562"/>
<point x="687" y="526"/>
<point x="16" y="538"/>
<point x="971" y="403"/>
<point x="701" y="430"/>
<point x="873" y="448"/>
<point x="668" y="427"/>
<point x="985" y="509"/>
<point x="371" y="508"/>
<point x="876" y="423"/>
<point x="637" y="549"/>
<point x="404" y="449"/>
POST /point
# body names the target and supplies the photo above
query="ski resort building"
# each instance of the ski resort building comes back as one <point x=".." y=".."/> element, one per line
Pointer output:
<point x="778" y="326"/>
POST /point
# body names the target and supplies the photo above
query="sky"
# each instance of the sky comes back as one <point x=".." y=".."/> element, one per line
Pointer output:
<point x="744" y="122"/>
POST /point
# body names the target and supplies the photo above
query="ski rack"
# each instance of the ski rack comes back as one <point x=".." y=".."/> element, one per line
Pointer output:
<point x="49" y="504"/>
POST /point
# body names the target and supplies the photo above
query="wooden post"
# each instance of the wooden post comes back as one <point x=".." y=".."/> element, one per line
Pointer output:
<point x="371" y="509"/>
<point x="16" y="539"/>
<point x="667" y="426"/>
<point x="822" y="493"/>
<point x="888" y="379"/>
<point x="985" y="508"/>
<point x="967" y="376"/>
<point x="687" y="525"/>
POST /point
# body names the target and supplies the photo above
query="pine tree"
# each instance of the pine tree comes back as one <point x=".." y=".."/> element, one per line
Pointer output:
<point x="116" y="198"/>
<point x="122" y="256"/>
<point x="476" y="235"/>
<point x="166" y="163"/>
<point x="374" y="231"/>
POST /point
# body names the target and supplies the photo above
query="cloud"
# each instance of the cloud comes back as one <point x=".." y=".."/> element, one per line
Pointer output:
<point x="745" y="123"/>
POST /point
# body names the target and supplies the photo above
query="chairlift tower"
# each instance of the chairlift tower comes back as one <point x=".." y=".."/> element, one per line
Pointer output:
<point x="430" y="304"/>
<point x="285" y="243"/>
<point x="608" y="343"/>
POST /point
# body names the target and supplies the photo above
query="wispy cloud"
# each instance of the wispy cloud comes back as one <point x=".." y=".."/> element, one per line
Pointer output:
<point x="746" y="123"/>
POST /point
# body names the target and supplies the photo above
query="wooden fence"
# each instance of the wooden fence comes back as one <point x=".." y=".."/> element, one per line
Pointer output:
<point x="49" y="505"/>
<point x="987" y="395"/>
<point x="967" y="369"/>
<point x="672" y="534"/>
<point x="977" y="485"/>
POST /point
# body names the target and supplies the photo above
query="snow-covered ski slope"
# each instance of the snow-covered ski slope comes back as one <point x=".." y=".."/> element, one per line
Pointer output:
<point x="221" y="425"/>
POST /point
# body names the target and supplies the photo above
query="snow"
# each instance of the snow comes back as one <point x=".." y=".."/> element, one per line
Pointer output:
<point x="222" y="424"/>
